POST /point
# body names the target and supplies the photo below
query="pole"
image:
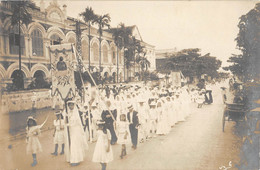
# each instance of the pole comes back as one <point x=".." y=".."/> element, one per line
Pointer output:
<point x="84" y="92"/>
<point x="89" y="26"/>
<point x="117" y="63"/>
<point x="89" y="124"/>
<point x="19" y="39"/>
<point x="99" y="93"/>
<point x="100" y="57"/>
<point x="67" y="122"/>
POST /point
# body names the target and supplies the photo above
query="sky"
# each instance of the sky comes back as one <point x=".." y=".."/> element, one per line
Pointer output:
<point x="208" y="25"/>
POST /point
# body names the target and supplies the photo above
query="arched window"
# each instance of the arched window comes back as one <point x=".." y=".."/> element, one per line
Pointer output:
<point x="14" y="41"/>
<point x="84" y="49"/>
<point x="55" y="39"/>
<point x="72" y="40"/>
<point x="113" y="55"/>
<point x="105" y="54"/>
<point x="17" y="82"/>
<point x="37" y="43"/>
<point x="95" y="51"/>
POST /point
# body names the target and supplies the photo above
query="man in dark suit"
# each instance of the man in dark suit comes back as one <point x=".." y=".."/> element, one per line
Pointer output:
<point x="133" y="126"/>
<point x="109" y="121"/>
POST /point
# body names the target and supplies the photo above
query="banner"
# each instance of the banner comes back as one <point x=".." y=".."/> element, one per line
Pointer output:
<point x="62" y="70"/>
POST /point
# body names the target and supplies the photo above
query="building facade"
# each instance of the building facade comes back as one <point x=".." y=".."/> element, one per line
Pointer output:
<point x="51" y="26"/>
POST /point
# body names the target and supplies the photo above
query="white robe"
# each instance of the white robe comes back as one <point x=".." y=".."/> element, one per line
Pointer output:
<point x="75" y="150"/>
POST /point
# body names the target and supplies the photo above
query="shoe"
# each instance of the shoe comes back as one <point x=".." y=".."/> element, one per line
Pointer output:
<point x="54" y="153"/>
<point x="74" y="164"/>
<point x="34" y="163"/>
<point x="121" y="156"/>
<point x="62" y="153"/>
<point x="124" y="153"/>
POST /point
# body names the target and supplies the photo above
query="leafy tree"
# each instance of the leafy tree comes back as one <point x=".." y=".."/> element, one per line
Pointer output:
<point x="246" y="65"/>
<point x="89" y="17"/>
<point x="191" y="63"/>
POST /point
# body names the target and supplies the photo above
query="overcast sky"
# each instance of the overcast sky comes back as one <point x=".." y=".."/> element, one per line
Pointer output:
<point x="208" y="25"/>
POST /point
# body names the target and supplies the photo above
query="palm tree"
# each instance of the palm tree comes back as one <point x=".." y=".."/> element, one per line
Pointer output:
<point x="144" y="64"/>
<point x="122" y="36"/>
<point x="102" y="21"/>
<point x="19" y="15"/>
<point x="88" y="16"/>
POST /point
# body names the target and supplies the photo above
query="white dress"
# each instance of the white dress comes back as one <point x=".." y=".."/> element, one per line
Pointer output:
<point x="33" y="144"/>
<point x="100" y="153"/>
<point x="78" y="142"/>
<point x="122" y="128"/>
<point x="162" y="123"/>
<point x="59" y="133"/>
<point x="200" y="99"/>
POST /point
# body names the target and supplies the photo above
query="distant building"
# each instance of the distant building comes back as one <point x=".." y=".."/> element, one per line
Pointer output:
<point x="51" y="26"/>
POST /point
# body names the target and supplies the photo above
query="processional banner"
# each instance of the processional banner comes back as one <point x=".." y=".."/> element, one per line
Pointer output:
<point x="62" y="68"/>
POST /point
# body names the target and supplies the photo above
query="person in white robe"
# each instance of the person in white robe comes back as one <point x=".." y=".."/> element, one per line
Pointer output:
<point x="76" y="142"/>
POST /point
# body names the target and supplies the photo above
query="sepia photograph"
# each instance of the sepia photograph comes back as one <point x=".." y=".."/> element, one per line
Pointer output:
<point x="129" y="85"/>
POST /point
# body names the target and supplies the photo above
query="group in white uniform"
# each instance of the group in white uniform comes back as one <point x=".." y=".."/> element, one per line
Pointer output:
<point x="159" y="109"/>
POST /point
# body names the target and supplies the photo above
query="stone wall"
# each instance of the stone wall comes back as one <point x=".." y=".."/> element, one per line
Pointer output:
<point x="25" y="100"/>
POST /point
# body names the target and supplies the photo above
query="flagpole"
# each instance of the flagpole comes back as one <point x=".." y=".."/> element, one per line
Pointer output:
<point x="95" y="85"/>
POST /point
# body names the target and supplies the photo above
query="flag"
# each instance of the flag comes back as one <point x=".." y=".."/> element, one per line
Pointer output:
<point x="62" y="70"/>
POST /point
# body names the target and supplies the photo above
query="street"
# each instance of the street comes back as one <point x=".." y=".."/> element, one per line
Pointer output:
<point x="197" y="143"/>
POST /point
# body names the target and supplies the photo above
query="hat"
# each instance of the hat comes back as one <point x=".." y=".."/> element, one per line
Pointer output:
<point x="129" y="106"/>
<point x="203" y="91"/>
<point x="58" y="113"/>
<point x="71" y="101"/>
<point x="141" y="100"/>
<point x="30" y="117"/>
<point x="100" y="122"/>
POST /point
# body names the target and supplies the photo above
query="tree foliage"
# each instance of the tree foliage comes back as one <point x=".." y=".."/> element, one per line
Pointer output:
<point x="102" y="21"/>
<point x="88" y="15"/>
<point x="191" y="63"/>
<point x="246" y="65"/>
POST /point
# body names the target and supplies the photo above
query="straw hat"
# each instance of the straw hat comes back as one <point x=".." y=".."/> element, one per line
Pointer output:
<point x="58" y="113"/>
<point x="31" y="118"/>
<point x="71" y="101"/>
<point x="100" y="122"/>
<point x="129" y="106"/>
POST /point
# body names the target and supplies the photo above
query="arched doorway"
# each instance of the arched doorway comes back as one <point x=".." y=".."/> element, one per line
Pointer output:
<point x="114" y="77"/>
<point x="106" y="76"/>
<point x="18" y="80"/>
<point x="39" y="78"/>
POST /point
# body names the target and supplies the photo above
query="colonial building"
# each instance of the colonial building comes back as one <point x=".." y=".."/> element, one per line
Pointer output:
<point x="51" y="25"/>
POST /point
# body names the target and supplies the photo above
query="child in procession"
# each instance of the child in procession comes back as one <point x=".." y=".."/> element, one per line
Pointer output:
<point x="153" y="119"/>
<point x="33" y="143"/>
<point x="200" y="99"/>
<point x="59" y="137"/>
<point x="103" y="153"/>
<point x="123" y="134"/>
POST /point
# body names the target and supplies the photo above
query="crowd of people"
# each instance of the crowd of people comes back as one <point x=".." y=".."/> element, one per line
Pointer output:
<point x="121" y="115"/>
